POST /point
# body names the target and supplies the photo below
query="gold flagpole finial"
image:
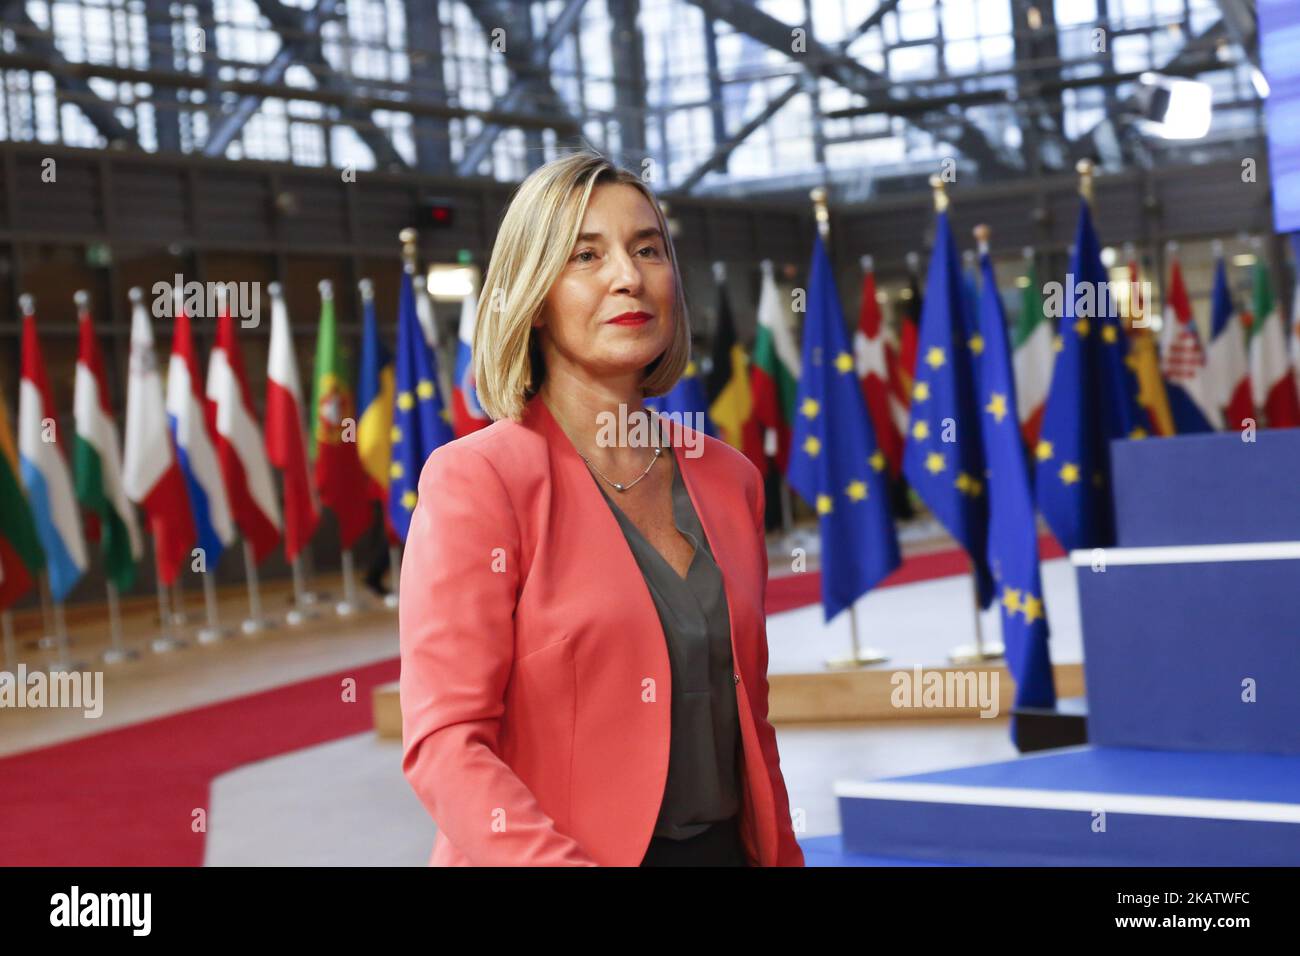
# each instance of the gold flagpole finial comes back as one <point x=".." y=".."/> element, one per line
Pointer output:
<point x="982" y="233"/>
<point x="822" y="213"/>
<point x="1085" y="170"/>
<point x="940" y="193"/>
<point x="408" y="237"/>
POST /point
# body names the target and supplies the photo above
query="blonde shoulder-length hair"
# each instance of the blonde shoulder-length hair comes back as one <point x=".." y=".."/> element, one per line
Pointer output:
<point x="532" y="247"/>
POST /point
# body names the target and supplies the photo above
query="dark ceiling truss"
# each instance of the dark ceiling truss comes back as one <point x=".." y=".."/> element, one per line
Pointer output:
<point x="39" y="44"/>
<point x="835" y="63"/>
<point x="527" y="62"/>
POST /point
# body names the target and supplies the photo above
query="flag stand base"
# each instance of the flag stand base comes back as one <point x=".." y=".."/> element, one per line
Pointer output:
<point x="256" y="627"/>
<point x="65" y="666"/>
<point x="162" y="645"/>
<point x="212" y="635"/>
<point x="976" y="653"/>
<point x="120" y="655"/>
<point x="390" y="601"/>
<point x="863" y="658"/>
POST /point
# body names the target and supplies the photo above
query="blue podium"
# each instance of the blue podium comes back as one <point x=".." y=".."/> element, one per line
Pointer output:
<point x="1191" y="633"/>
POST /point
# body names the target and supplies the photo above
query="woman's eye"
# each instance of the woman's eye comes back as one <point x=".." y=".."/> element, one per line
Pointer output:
<point x="584" y="252"/>
<point x="651" y="249"/>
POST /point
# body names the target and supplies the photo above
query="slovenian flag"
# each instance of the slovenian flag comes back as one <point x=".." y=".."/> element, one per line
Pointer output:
<point x="97" y="462"/>
<point x="286" y="440"/>
<point x="240" y="448"/>
<point x="45" y="472"/>
<point x="21" y="557"/>
<point x="467" y="414"/>
<point x="191" y="429"/>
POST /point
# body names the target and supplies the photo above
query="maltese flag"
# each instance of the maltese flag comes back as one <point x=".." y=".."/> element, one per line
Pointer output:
<point x="240" y="448"/>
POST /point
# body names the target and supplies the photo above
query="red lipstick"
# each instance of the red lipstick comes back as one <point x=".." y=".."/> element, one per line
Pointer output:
<point x="631" y="318"/>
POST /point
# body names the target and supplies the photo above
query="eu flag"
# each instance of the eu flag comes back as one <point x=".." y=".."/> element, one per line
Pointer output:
<point x="835" y="465"/>
<point x="943" y="458"/>
<point x="421" y="421"/>
<point x="1013" y="534"/>
<point x="1093" y="399"/>
<point x="686" y="402"/>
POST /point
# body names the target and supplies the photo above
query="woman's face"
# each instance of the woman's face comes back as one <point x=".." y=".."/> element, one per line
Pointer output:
<point x="618" y="266"/>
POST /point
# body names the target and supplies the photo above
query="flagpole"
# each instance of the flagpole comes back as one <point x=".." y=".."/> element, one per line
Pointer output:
<point x="391" y="600"/>
<point x="117" y="653"/>
<point x="212" y="632"/>
<point x="179" y="615"/>
<point x="7" y="629"/>
<point x="49" y="638"/>
<point x="858" y="656"/>
<point x="255" y="623"/>
<point x="978" y="652"/>
<point x="63" y="662"/>
<point x="348" y="606"/>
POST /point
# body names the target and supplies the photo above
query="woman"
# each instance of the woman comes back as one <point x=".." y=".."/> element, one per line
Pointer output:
<point x="584" y="651"/>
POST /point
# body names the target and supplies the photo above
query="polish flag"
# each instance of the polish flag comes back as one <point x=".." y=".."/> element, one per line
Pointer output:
<point x="467" y="414"/>
<point x="240" y="447"/>
<point x="872" y="353"/>
<point x="286" y="440"/>
<point x="151" y="472"/>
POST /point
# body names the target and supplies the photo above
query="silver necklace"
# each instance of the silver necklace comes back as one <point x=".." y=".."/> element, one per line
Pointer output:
<point x="618" y="485"/>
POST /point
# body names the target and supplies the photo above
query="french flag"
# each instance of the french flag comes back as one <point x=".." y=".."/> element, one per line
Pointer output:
<point x="151" y="472"/>
<point x="192" y="432"/>
<point x="240" y="448"/>
<point x="467" y="414"/>
<point x="44" y="469"/>
<point x="286" y="440"/>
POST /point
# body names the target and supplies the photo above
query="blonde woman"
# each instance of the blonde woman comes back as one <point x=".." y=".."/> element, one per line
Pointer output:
<point x="584" y="651"/>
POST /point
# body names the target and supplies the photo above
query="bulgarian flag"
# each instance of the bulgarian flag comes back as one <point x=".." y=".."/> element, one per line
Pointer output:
<point x="1033" y="357"/>
<point x="731" y="405"/>
<point x="1270" y="370"/>
<point x="774" y="372"/>
<point x="97" y="460"/>
<point x="873" y="367"/>
<point x="286" y="442"/>
<point x="340" y="479"/>
<point x="21" y="557"/>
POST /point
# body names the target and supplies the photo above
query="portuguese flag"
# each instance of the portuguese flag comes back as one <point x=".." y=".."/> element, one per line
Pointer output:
<point x="339" y="477"/>
<point x="1270" y="371"/>
<point x="21" y="557"/>
<point x="774" y="377"/>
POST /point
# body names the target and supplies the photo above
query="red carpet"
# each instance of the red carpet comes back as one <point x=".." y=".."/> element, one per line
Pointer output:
<point x="127" y="797"/>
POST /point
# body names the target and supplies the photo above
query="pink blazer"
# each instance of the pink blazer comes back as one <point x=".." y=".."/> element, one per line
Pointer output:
<point x="535" y="683"/>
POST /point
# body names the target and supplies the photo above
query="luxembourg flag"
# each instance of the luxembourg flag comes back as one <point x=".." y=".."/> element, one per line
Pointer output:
<point x="45" y="470"/>
<point x="151" y="473"/>
<point x="240" y="448"/>
<point x="192" y="433"/>
<point x="467" y="414"/>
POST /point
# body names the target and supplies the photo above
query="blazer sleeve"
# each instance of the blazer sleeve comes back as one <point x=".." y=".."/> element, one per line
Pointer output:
<point x="459" y="584"/>
<point x="788" y="852"/>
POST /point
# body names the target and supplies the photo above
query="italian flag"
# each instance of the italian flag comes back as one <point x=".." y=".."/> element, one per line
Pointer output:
<point x="21" y="557"/>
<point x="1033" y="359"/>
<point x="340" y="479"/>
<point x="1270" y="371"/>
<point x="97" y="463"/>
<point x="774" y="372"/>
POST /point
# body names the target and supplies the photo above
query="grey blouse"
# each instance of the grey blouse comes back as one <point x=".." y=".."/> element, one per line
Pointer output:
<point x="705" y="754"/>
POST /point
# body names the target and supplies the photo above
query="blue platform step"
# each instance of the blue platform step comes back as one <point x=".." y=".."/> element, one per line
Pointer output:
<point x="1083" y="806"/>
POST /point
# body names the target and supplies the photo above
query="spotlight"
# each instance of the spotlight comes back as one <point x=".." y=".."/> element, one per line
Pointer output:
<point x="1173" y="109"/>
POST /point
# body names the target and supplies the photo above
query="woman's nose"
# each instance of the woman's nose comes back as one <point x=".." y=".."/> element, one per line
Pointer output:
<point x="626" y="273"/>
